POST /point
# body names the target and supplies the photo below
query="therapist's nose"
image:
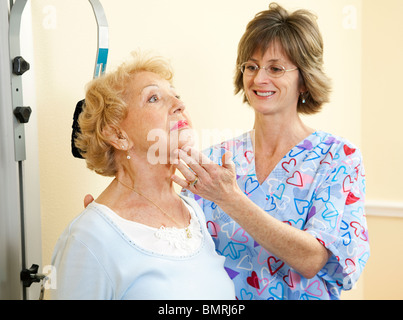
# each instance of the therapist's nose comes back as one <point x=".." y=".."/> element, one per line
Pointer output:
<point x="261" y="77"/>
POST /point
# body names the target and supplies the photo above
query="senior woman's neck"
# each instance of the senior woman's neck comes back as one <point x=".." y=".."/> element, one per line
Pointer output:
<point x="148" y="177"/>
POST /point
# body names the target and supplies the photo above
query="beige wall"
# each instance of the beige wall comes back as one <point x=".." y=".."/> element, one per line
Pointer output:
<point x="200" y="38"/>
<point x="382" y="142"/>
<point x="382" y="103"/>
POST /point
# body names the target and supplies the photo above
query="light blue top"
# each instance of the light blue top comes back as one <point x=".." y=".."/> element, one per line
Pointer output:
<point x="95" y="259"/>
<point x="318" y="187"/>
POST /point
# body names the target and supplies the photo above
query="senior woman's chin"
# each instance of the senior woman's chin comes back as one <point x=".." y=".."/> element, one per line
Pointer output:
<point x="187" y="138"/>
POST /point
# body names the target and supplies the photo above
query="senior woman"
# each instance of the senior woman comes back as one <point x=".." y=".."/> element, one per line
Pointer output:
<point x="286" y="204"/>
<point x="138" y="239"/>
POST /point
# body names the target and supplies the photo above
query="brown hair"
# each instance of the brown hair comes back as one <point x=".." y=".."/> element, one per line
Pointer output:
<point x="300" y="38"/>
<point x="106" y="106"/>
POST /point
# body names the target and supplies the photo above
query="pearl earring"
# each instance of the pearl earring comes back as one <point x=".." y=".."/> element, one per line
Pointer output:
<point x="127" y="152"/>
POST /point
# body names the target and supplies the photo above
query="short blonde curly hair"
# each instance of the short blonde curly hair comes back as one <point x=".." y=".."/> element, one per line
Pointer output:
<point x="106" y="106"/>
<point x="301" y="40"/>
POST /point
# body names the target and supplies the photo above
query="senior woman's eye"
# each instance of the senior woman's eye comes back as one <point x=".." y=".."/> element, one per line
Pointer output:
<point x="154" y="98"/>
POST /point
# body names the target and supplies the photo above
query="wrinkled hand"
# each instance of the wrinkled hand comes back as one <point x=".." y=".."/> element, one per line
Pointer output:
<point x="215" y="183"/>
<point x="87" y="200"/>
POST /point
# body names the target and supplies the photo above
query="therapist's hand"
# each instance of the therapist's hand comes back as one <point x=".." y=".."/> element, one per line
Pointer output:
<point x="215" y="183"/>
<point x="87" y="200"/>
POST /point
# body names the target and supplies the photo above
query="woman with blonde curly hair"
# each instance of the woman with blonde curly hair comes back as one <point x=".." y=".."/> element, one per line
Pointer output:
<point x="138" y="239"/>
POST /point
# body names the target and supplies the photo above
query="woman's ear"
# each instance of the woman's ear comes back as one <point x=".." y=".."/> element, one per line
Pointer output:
<point x="116" y="137"/>
<point x="301" y="83"/>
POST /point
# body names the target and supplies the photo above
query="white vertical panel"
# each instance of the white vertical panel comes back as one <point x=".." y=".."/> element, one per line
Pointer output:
<point x="10" y="235"/>
<point x="33" y="236"/>
<point x="13" y="252"/>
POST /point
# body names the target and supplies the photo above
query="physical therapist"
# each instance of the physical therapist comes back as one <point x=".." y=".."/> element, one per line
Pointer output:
<point x="284" y="203"/>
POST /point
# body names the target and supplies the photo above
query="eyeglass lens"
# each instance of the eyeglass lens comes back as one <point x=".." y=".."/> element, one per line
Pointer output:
<point x="273" y="70"/>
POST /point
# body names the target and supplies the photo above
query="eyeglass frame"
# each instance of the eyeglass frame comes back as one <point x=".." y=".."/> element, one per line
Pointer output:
<point x="265" y="68"/>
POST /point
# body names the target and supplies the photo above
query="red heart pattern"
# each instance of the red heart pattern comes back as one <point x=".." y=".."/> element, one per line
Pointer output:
<point x="347" y="150"/>
<point x="274" y="264"/>
<point x="253" y="280"/>
<point x="296" y="179"/>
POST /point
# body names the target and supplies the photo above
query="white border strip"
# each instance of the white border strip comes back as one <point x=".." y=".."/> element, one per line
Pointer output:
<point x="384" y="209"/>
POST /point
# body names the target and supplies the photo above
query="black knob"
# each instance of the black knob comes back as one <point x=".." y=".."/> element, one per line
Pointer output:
<point x="20" y="66"/>
<point x="27" y="276"/>
<point x="23" y="114"/>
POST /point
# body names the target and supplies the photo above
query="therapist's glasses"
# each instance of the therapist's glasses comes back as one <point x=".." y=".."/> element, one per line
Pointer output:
<point x="273" y="70"/>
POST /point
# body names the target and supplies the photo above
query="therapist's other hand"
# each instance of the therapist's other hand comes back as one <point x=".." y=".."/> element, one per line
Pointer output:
<point x="214" y="182"/>
<point x="87" y="200"/>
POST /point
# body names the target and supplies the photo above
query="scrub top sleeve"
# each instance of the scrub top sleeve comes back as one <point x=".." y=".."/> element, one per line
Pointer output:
<point x="337" y="219"/>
